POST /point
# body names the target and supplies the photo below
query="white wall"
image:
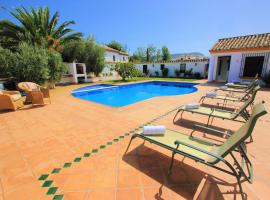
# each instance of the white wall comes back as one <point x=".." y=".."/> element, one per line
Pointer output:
<point x="118" y="57"/>
<point x="235" y="65"/>
<point x="197" y="66"/>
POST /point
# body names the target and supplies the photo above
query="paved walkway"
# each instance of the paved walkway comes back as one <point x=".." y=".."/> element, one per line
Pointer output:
<point x="73" y="149"/>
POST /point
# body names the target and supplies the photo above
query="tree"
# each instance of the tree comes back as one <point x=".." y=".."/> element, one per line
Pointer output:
<point x="8" y="61"/>
<point x="94" y="57"/>
<point x="117" y="45"/>
<point x="74" y="51"/>
<point x="166" y="56"/>
<point x="56" y="66"/>
<point x="134" y="58"/>
<point x="32" y="64"/>
<point x="158" y="55"/>
<point x="85" y="51"/>
<point x="126" y="70"/>
<point x="36" y="27"/>
<point x="151" y="53"/>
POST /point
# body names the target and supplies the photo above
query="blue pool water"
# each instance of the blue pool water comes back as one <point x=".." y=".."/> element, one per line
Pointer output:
<point x="123" y="95"/>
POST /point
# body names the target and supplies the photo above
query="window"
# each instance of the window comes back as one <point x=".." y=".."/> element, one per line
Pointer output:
<point x="162" y="66"/>
<point x="124" y="59"/>
<point x="145" y="69"/>
<point x="195" y="64"/>
<point x="113" y="57"/>
<point x="182" y="68"/>
<point x="253" y="66"/>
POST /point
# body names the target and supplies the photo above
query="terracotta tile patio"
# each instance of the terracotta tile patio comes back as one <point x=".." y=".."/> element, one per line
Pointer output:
<point x="74" y="149"/>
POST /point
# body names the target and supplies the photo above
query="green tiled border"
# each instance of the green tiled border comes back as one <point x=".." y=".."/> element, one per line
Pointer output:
<point x="48" y="183"/>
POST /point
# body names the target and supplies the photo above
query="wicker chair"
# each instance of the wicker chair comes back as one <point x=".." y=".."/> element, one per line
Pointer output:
<point x="35" y="93"/>
<point x="10" y="100"/>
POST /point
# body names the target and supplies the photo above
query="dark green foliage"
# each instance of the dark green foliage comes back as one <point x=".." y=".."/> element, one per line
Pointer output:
<point x="177" y="73"/>
<point x="32" y="64"/>
<point x="188" y="73"/>
<point x="166" y="56"/>
<point x="36" y="27"/>
<point x="85" y="51"/>
<point x="74" y="51"/>
<point x="197" y="75"/>
<point x="165" y="72"/>
<point x="56" y="66"/>
<point x="95" y="58"/>
<point x="8" y="60"/>
<point x="117" y="45"/>
<point x="126" y="70"/>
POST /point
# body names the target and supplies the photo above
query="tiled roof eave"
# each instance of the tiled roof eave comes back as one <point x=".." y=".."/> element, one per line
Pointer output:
<point x="239" y="50"/>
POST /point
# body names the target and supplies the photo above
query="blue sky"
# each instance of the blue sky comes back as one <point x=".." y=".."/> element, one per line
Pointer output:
<point x="182" y="25"/>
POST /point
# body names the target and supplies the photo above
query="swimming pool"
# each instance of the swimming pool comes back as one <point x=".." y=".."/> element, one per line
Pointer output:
<point x="123" y="95"/>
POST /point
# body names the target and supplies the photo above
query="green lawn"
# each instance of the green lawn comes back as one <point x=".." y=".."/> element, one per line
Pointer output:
<point x="135" y="79"/>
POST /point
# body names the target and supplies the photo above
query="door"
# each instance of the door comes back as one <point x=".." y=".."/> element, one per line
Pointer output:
<point x="223" y="68"/>
<point x="253" y="66"/>
<point x="145" y="69"/>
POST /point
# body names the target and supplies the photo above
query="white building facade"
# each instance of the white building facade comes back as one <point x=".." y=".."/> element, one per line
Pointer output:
<point x="240" y="58"/>
<point x="155" y="68"/>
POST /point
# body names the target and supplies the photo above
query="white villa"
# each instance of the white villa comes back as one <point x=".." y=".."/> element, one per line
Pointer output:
<point x="239" y="58"/>
<point x="113" y="55"/>
<point x="155" y="68"/>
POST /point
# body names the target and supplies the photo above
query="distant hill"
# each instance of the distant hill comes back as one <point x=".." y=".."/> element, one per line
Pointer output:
<point x="192" y="55"/>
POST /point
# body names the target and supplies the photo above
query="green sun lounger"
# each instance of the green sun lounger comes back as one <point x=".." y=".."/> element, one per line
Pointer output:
<point x="242" y="85"/>
<point x="209" y="153"/>
<point x="220" y="113"/>
<point x="240" y="90"/>
<point x="231" y="98"/>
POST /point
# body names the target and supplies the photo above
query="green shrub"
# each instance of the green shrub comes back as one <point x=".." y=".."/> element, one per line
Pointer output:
<point x="165" y="72"/>
<point x="94" y="58"/>
<point x="188" y="73"/>
<point x="177" y="72"/>
<point x="56" y="66"/>
<point x="126" y="70"/>
<point x="85" y="51"/>
<point x="8" y="61"/>
<point x="32" y="64"/>
<point x="74" y="51"/>
<point x="197" y="75"/>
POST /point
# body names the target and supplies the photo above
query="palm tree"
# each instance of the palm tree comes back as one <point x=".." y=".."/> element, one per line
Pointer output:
<point x="37" y="27"/>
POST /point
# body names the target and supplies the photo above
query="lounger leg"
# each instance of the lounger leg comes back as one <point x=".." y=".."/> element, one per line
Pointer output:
<point x="171" y="164"/>
<point x="240" y="187"/>
<point x="133" y="136"/>
<point x="208" y="120"/>
<point x="176" y="114"/>
<point x="202" y="99"/>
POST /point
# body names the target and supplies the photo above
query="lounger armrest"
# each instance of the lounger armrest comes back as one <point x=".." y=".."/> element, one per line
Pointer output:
<point x="220" y="110"/>
<point x="212" y="129"/>
<point x="177" y="142"/>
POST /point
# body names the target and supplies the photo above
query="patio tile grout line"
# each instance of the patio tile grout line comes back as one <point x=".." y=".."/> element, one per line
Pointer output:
<point x="52" y="190"/>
